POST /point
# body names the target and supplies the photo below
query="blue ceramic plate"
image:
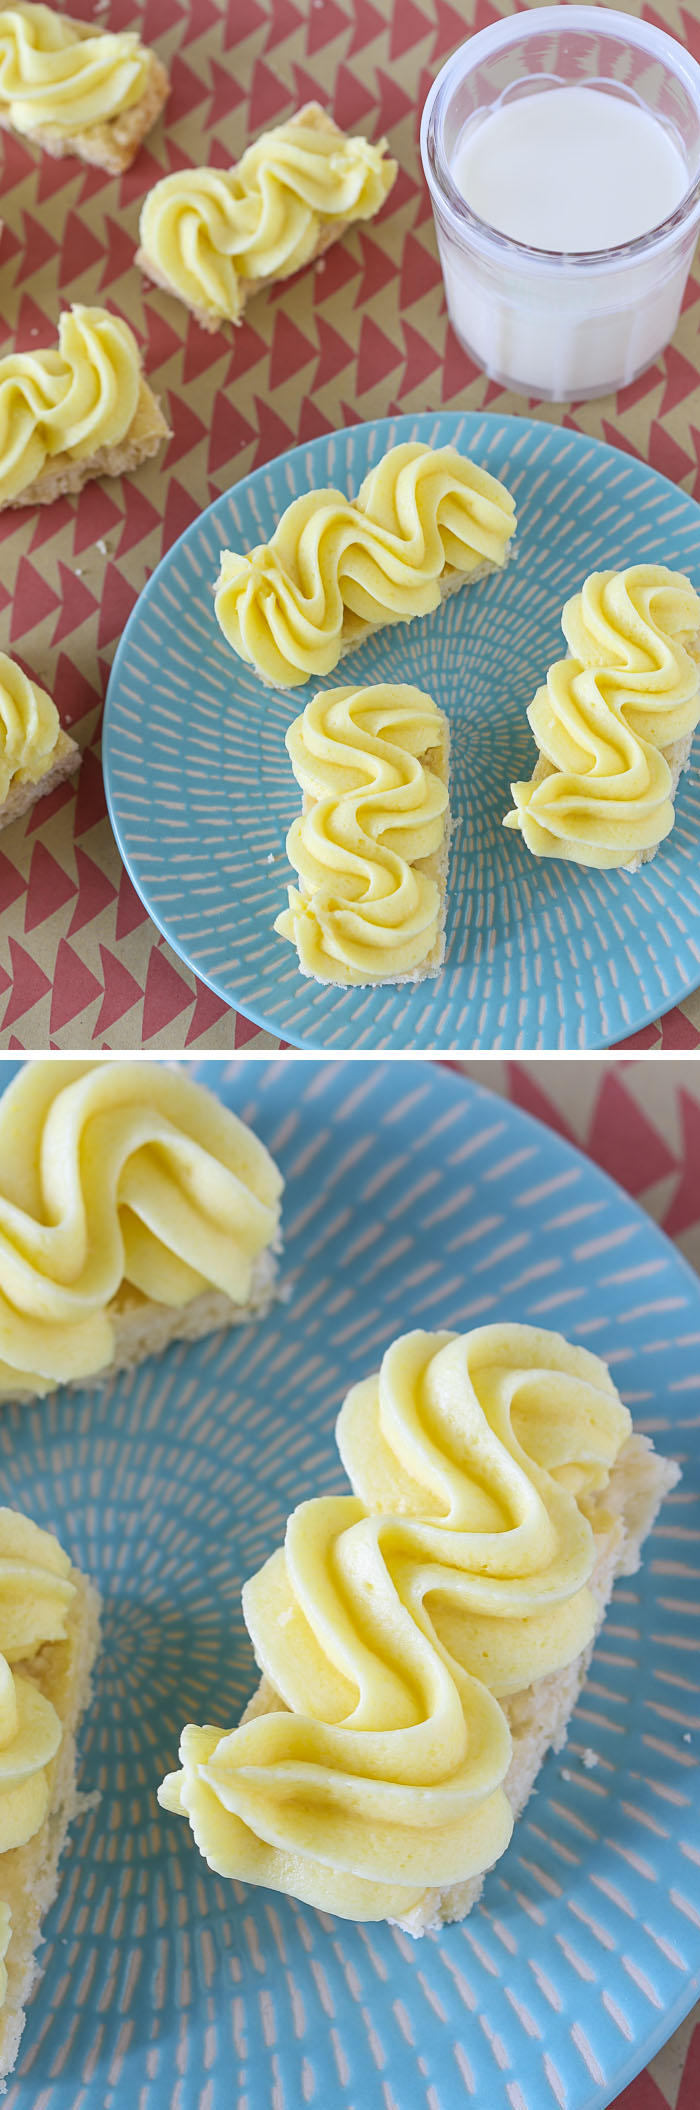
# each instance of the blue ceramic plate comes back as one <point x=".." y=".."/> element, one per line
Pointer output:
<point x="201" y="793"/>
<point x="413" y="1198"/>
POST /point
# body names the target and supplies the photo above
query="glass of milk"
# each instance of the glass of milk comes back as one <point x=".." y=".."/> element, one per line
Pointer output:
<point x="562" y="152"/>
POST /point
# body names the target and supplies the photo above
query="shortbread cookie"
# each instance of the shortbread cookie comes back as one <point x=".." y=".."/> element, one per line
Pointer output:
<point x="425" y="522"/>
<point x="213" y="236"/>
<point x="75" y="411"/>
<point x="371" y="845"/>
<point x="614" y="722"/>
<point x="49" y="1631"/>
<point x="35" y="753"/>
<point x="422" y="1641"/>
<point x="135" y="1209"/>
<point x="76" y="88"/>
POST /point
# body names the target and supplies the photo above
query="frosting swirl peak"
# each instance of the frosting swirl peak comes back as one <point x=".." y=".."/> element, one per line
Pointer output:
<point x="609" y="720"/>
<point x="374" y="812"/>
<point x="210" y="232"/>
<point x="29" y="728"/>
<point x="35" y="1596"/>
<point x="58" y="72"/>
<point x="70" y="400"/>
<point x="118" y="1174"/>
<point x="334" y="564"/>
<point x="392" y="1620"/>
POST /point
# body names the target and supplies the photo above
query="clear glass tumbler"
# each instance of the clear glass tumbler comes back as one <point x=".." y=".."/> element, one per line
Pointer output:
<point x="547" y="324"/>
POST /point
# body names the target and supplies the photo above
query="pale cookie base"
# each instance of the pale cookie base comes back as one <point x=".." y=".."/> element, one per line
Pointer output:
<point x="315" y="119"/>
<point x="65" y="759"/>
<point x="62" y="476"/>
<point x="29" y="1874"/>
<point x="114" y="145"/>
<point x="142" y="1328"/>
<point x="539" y="1716"/>
<point x="435" y="867"/>
<point x="678" y="758"/>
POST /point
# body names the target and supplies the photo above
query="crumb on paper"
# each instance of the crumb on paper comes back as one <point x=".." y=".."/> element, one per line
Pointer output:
<point x="590" y="1759"/>
<point x="686" y="1736"/>
<point x="271" y="858"/>
<point x="285" y="1292"/>
<point x="78" y="569"/>
<point x="565" y="1774"/>
<point x="102" y="547"/>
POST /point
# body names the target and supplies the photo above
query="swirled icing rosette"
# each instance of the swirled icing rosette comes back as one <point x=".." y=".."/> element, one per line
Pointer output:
<point x="425" y="521"/>
<point x="75" y="87"/>
<point x="370" y="846"/>
<point x="385" y="1773"/>
<point x="212" y="235"/>
<point x="391" y="1620"/>
<point x="30" y="737"/>
<point x="118" y="1178"/>
<point x="614" y="722"/>
<point x="71" y="401"/>
<point x="498" y="1437"/>
<point x="67" y="74"/>
<point x="35" y="1596"/>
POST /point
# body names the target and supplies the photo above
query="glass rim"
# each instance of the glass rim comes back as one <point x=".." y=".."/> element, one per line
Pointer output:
<point x="512" y="28"/>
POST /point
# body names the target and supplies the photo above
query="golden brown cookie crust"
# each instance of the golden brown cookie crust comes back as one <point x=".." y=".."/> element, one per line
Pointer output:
<point x="63" y="476"/>
<point x="111" y="146"/>
<point x="61" y="764"/>
<point x="314" y="119"/>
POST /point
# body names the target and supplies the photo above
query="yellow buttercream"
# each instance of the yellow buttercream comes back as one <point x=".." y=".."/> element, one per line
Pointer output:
<point x="111" y="1175"/>
<point x="208" y="231"/>
<point x="373" y="811"/>
<point x="607" y="719"/>
<point x="496" y="1435"/>
<point x="61" y="73"/>
<point x="335" y="564"/>
<point x="29" y="728"/>
<point x="71" y="401"/>
<point x="389" y="1635"/>
<point x="35" y="1595"/>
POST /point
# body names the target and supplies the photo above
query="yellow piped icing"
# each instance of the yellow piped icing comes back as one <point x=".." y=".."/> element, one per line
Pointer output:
<point x="334" y="563"/>
<point x="497" y="1435"/>
<point x="71" y="400"/>
<point x="607" y="719"/>
<point x="60" y="73"/>
<point x="210" y="231"/>
<point x="392" y="1619"/>
<point x="373" y="811"/>
<point x="35" y="1596"/>
<point x="29" y="728"/>
<point x="118" y="1175"/>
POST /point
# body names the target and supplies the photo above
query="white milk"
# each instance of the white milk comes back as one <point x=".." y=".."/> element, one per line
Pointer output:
<point x="569" y="171"/>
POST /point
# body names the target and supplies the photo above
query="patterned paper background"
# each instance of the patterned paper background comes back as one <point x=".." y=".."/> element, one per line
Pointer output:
<point x="641" y="1122"/>
<point x="362" y="334"/>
